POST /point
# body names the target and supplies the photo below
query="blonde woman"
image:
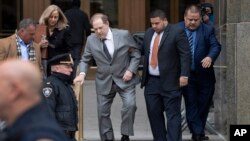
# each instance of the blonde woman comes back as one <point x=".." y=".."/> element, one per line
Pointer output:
<point x="57" y="39"/>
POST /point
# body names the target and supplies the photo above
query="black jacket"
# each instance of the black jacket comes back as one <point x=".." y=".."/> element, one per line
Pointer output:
<point x="79" y="25"/>
<point x="33" y="125"/>
<point x="59" y="42"/>
<point x="61" y="100"/>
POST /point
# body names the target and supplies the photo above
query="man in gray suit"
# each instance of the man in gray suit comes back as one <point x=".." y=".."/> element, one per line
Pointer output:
<point x="117" y="58"/>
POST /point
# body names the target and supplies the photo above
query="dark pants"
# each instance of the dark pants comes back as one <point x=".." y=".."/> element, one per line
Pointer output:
<point x="76" y="52"/>
<point x="158" y="101"/>
<point x="198" y="97"/>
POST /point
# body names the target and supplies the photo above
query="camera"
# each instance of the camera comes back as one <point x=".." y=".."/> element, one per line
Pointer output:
<point x="206" y="12"/>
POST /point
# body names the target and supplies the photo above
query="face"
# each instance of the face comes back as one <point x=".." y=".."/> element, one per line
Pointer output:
<point x="192" y="20"/>
<point x="27" y="34"/>
<point x="65" y="69"/>
<point x="158" y="24"/>
<point x="53" y="18"/>
<point x="100" y="28"/>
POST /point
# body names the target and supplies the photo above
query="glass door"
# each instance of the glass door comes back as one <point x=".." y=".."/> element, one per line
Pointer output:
<point x="10" y="15"/>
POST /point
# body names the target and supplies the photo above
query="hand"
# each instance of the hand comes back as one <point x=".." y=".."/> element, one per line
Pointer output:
<point x="44" y="43"/>
<point x="127" y="76"/>
<point x="206" y="62"/>
<point x="79" y="79"/>
<point x="183" y="81"/>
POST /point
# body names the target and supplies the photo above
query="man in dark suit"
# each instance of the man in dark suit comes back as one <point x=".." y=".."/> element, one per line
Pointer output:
<point x="165" y="72"/>
<point x="201" y="84"/>
<point x="79" y="28"/>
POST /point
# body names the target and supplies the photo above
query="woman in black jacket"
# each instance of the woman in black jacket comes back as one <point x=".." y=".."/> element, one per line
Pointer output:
<point x="58" y="36"/>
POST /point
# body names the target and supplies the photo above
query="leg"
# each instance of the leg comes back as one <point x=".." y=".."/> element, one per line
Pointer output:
<point x="155" y="109"/>
<point x="128" y="110"/>
<point x="172" y="106"/>
<point x="204" y="102"/>
<point x="190" y="94"/>
<point x="105" y="125"/>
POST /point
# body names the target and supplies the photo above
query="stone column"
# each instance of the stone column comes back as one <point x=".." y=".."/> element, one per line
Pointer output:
<point x="238" y="62"/>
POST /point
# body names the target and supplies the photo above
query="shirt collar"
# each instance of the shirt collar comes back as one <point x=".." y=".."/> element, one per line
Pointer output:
<point x="22" y="42"/>
<point x="109" y="35"/>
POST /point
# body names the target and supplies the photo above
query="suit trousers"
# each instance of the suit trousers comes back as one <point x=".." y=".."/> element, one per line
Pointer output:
<point x="198" y="96"/>
<point x="128" y="110"/>
<point x="158" y="102"/>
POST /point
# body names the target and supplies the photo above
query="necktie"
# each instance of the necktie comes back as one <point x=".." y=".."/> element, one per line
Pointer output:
<point x="105" y="49"/>
<point x="154" y="58"/>
<point x="190" y="40"/>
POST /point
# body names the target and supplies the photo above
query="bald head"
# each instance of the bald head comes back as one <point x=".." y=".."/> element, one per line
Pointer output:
<point x="21" y="72"/>
<point x="20" y="83"/>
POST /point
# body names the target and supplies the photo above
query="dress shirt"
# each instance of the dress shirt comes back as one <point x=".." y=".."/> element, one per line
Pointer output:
<point x="154" y="71"/>
<point x="110" y="43"/>
<point x="24" y="49"/>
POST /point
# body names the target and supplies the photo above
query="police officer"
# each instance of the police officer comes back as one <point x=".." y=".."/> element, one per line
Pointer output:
<point x="59" y="95"/>
<point x="21" y="107"/>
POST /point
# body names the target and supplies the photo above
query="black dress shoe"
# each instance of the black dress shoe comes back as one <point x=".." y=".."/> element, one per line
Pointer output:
<point x="125" y="138"/>
<point x="196" y="138"/>
<point x="204" y="137"/>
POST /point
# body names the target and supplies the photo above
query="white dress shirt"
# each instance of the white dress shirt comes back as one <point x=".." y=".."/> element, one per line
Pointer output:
<point x="153" y="71"/>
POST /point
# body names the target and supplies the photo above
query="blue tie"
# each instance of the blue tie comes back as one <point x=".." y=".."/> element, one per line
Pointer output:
<point x="190" y="40"/>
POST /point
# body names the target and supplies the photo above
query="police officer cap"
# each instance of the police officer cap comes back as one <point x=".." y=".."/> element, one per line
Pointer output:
<point x="64" y="59"/>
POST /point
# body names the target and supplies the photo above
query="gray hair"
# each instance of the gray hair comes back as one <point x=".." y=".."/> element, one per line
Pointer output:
<point x="25" y="23"/>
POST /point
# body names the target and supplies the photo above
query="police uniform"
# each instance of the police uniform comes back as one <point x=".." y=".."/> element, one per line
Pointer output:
<point x="33" y="125"/>
<point x="60" y="97"/>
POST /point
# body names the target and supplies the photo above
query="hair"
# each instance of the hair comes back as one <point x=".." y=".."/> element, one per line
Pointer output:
<point x="25" y="23"/>
<point x="76" y="3"/>
<point x="62" y="21"/>
<point x="192" y="9"/>
<point x="101" y="16"/>
<point x="158" y="13"/>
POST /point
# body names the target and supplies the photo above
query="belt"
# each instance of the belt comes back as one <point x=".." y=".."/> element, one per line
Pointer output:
<point x="71" y="134"/>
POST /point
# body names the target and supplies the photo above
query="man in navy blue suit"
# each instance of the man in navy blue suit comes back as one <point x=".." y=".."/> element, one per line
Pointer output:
<point x="199" y="92"/>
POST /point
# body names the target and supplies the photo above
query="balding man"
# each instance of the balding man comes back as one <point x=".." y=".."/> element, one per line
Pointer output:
<point x="117" y="57"/>
<point x="21" y="106"/>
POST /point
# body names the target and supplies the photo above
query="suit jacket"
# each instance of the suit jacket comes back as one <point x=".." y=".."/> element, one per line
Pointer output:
<point x="126" y="57"/>
<point x="206" y="44"/>
<point x="8" y="50"/>
<point x="174" y="57"/>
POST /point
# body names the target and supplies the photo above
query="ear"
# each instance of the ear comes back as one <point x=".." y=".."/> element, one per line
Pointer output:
<point x="13" y="92"/>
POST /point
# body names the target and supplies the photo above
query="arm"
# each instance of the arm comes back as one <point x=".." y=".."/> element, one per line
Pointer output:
<point x="49" y="94"/>
<point x="214" y="50"/>
<point x="184" y="52"/>
<point x="83" y="65"/>
<point x="185" y="57"/>
<point x="134" y="54"/>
